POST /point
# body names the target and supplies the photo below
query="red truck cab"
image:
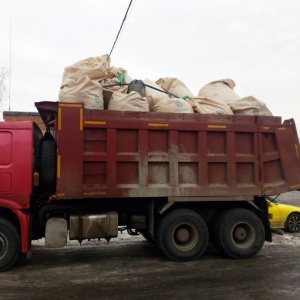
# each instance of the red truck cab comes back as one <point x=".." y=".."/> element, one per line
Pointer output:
<point x="18" y="141"/>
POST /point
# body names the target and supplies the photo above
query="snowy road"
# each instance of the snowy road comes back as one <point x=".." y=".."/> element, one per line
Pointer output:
<point x="131" y="268"/>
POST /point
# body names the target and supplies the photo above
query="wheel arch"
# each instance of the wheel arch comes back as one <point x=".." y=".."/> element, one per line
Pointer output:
<point x="294" y="212"/>
<point x="19" y="219"/>
<point x="9" y="215"/>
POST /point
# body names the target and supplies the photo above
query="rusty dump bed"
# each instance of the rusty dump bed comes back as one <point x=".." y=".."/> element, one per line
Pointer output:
<point x="107" y="154"/>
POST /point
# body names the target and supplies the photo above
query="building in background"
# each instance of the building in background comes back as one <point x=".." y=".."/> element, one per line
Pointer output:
<point x="16" y="116"/>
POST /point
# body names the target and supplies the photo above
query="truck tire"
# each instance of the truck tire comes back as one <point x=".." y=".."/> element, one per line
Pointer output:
<point x="48" y="164"/>
<point x="182" y="235"/>
<point x="9" y="244"/>
<point x="238" y="233"/>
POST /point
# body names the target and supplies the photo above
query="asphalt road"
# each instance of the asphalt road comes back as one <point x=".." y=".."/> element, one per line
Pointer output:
<point x="132" y="268"/>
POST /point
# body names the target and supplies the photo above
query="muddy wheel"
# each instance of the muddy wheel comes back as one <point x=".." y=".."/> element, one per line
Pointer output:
<point x="238" y="233"/>
<point x="48" y="164"/>
<point x="293" y="223"/>
<point x="182" y="235"/>
<point x="9" y="244"/>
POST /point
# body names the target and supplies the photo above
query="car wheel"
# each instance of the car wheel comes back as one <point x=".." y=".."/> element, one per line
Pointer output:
<point x="292" y="223"/>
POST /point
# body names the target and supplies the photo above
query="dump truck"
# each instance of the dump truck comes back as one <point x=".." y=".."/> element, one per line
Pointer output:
<point x="180" y="180"/>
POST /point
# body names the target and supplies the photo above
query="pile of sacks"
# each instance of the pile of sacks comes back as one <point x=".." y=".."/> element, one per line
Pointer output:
<point x="97" y="85"/>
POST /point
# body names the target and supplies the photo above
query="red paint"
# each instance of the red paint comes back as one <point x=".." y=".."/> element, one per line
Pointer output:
<point x="137" y="154"/>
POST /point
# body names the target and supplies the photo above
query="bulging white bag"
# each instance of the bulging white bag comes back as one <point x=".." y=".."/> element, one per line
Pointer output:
<point x="220" y="90"/>
<point x="174" y="86"/>
<point x="128" y="102"/>
<point x="173" y="105"/>
<point x="93" y="67"/>
<point x="82" y="90"/>
<point x="116" y="76"/>
<point x="153" y="96"/>
<point x="250" y="106"/>
<point x="203" y="105"/>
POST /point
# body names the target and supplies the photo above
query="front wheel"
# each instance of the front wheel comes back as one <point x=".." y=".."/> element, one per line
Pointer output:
<point x="9" y="244"/>
<point x="293" y="223"/>
<point x="238" y="233"/>
<point x="182" y="235"/>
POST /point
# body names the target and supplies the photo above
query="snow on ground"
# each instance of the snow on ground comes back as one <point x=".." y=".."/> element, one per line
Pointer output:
<point x="287" y="239"/>
<point x="284" y="239"/>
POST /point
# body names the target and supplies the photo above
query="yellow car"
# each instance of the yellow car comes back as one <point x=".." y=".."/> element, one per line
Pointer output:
<point x="284" y="216"/>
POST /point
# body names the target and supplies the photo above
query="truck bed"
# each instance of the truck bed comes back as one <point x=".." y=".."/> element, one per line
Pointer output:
<point x="109" y="154"/>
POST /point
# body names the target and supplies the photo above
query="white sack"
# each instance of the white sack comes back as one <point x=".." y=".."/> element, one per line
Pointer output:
<point x="128" y="102"/>
<point x="93" y="67"/>
<point x="210" y="106"/>
<point x="83" y="90"/>
<point x="221" y="90"/>
<point x="112" y="78"/>
<point x="174" y="86"/>
<point x="173" y="105"/>
<point x="250" y="106"/>
<point x="154" y="96"/>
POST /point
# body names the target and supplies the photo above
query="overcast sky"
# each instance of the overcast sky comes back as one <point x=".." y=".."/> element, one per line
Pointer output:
<point x="256" y="43"/>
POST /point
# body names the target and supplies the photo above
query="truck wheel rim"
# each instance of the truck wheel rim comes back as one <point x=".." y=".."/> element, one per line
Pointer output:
<point x="243" y="235"/>
<point x="185" y="237"/>
<point x="3" y="246"/>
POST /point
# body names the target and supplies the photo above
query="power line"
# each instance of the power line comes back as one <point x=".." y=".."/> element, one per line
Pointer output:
<point x="9" y="61"/>
<point x="120" y="28"/>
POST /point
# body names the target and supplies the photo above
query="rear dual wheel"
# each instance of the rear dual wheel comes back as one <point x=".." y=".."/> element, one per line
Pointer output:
<point x="238" y="233"/>
<point x="182" y="235"/>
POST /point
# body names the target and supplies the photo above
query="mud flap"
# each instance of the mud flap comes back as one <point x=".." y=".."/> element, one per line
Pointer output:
<point x="56" y="233"/>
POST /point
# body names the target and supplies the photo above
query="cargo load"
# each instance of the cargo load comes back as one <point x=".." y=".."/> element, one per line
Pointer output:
<point x="94" y="80"/>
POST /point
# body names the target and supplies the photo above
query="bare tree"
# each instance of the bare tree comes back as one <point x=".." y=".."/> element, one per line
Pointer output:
<point x="3" y="77"/>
